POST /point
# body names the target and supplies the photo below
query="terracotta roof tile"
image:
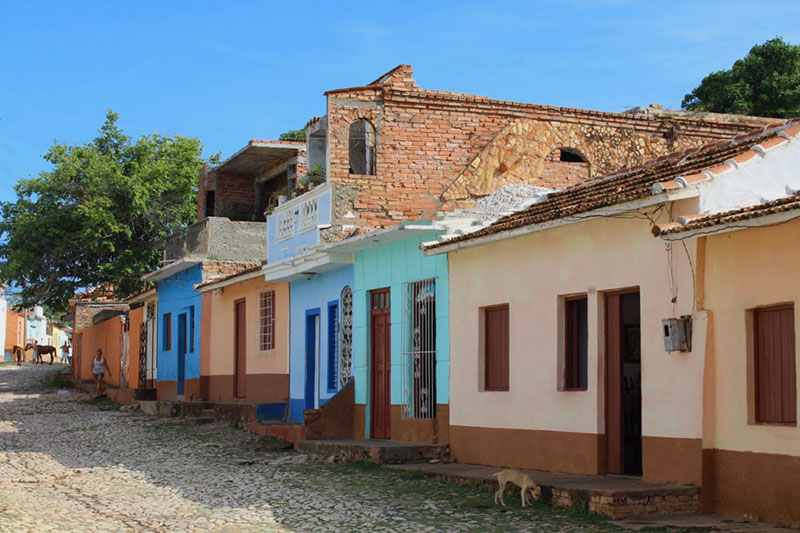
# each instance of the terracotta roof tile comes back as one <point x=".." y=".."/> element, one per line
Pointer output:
<point x="626" y="185"/>
<point x="694" y="222"/>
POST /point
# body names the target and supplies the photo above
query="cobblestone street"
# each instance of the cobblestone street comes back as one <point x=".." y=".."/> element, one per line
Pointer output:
<point x="69" y="463"/>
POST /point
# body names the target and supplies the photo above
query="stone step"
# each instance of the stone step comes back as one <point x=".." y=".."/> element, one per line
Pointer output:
<point x="199" y="420"/>
<point x="619" y="497"/>
<point x="376" y="451"/>
<point x="287" y="431"/>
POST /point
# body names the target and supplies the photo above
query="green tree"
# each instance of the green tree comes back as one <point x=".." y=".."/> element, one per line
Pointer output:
<point x="765" y="83"/>
<point x="95" y="219"/>
<point x="293" y="135"/>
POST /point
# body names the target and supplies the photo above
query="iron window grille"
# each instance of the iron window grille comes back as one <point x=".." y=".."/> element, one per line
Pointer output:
<point x="266" y="321"/>
<point x="418" y="356"/>
<point x="346" y="337"/>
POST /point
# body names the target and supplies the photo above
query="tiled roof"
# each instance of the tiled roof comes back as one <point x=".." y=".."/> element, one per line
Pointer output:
<point x="634" y="183"/>
<point x="695" y="222"/>
<point x="241" y="270"/>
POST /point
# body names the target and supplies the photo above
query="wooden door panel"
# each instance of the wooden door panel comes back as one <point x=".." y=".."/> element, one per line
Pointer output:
<point x="240" y="349"/>
<point x="381" y="364"/>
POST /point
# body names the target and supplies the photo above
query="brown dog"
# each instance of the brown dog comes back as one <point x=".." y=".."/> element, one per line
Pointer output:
<point x="523" y="481"/>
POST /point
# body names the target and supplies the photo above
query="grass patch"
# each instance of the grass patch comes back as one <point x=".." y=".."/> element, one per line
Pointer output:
<point x="58" y="381"/>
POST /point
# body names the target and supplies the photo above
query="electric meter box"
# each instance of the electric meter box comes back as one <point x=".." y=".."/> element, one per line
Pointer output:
<point x="678" y="334"/>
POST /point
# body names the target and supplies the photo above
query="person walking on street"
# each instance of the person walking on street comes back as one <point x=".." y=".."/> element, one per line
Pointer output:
<point x="65" y="353"/>
<point x="99" y="369"/>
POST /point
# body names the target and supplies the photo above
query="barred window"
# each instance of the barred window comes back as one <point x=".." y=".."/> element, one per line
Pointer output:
<point x="418" y="374"/>
<point x="346" y="337"/>
<point x="266" y="321"/>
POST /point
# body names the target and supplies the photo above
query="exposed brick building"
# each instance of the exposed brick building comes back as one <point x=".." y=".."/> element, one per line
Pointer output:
<point x="393" y="151"/>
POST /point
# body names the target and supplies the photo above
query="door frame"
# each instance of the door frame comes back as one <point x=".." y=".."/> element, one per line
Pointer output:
<point x="311" y="382"/>
<point x="236" y="325"/>
<point x="373" y="406"/>
<point x="606" y="446"/>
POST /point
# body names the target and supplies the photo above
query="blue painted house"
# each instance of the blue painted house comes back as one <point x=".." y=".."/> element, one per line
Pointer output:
<point x="202" y="252"/>
<point x="320" y="296"/>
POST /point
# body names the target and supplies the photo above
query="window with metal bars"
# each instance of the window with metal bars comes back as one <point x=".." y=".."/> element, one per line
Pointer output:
<point x="345" y="336"/>
<point x="576" y="365"/>
<point x="266" y="321"/>
<point x="419" y="350"/>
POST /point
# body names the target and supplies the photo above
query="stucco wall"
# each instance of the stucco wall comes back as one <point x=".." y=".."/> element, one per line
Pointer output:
<point x="747" y="269"/>
<point x="393" y="265"/>
<point x="219" y="335"/>
<point x="105" y="335"/>
<point x="176" y="295"/>
<point x="307" y="295"/>
<point x="15" y="330"/>
<point x="529" y="273"/>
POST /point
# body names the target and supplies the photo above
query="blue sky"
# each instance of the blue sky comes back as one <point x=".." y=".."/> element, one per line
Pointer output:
<point x="226" y="72"/>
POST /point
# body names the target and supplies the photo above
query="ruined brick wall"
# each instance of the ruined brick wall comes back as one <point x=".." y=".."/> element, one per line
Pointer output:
<point x="206" y="181"/>
<point x="220" y="269"/>
<point x="440" y="150"/>
<point x="235" y="195"/>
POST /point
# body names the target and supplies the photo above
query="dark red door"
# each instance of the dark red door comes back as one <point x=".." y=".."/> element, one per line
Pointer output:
<point x="381" y="360"/>
<point x="240" y="349"/>
<point x="623" y="384"/>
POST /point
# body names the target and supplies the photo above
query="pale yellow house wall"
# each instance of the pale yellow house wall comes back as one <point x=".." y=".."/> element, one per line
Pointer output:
<point x="747" y="269"/>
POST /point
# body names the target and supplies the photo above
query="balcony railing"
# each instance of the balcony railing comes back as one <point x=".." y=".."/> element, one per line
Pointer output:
<point x="304" y="209"/>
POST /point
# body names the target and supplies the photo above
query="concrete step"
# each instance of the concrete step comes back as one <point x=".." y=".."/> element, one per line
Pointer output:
<point x="199" y="420"/>
<point x="377" y="451"/>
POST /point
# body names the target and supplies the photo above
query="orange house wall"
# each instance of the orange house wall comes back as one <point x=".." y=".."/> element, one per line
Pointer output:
<point x="105" y="335"/>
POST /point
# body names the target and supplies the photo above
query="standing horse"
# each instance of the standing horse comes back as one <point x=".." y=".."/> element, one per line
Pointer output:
<point x="42" y="349"/>
<point x="16" y="351"/>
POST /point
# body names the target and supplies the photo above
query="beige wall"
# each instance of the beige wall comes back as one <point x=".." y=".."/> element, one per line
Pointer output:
<point x="218" y="329"/>
<point x="746" y="269"/>
<point x="529" y="273"/>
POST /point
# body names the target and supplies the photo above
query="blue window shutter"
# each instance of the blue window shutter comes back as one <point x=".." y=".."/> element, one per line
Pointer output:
<point x="333" y="345"/>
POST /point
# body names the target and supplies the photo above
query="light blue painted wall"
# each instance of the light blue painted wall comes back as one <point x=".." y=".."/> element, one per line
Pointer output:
<point x="392" y="265"/>
<point x="36" y="328"/>
<point x="176" y="295"/>
<point x="304" y="295"/>
<point x="280" y="250"/>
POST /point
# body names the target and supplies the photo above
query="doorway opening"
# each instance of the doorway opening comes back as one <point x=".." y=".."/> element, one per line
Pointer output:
<point x="623" y="383"/>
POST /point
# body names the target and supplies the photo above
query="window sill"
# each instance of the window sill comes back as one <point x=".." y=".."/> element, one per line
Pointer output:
<point x="778" y="424"/>
<point x="495" y="390"/>
<point x="579" y="389"/>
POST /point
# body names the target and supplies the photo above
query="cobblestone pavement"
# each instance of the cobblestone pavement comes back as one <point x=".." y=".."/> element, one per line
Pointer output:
<point x="69" y="463"/>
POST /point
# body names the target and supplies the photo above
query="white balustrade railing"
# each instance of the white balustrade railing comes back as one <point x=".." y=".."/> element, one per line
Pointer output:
<point x="305" y="208"/>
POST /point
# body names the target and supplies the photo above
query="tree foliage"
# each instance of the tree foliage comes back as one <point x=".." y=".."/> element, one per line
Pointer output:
<point x="95" y="219"/>
<point x="294" y="135"/>
<point x="765" y="83"/>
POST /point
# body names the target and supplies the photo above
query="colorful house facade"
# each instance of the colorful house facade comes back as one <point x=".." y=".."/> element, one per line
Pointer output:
<point x="245" y="341"/>
<point x="212" y="248"/>
<point x="389" y="152"/>
<point x="586" y="346"/>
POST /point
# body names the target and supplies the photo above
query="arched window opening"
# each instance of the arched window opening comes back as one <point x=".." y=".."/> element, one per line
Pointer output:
<point x="568" y="156"/>
<point x="362" y="148"/>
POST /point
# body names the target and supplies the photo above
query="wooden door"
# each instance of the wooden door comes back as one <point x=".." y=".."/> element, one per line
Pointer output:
<point x="380" y="385"/>
<point x="240" y="349"/>
<point x="623" y="384"/>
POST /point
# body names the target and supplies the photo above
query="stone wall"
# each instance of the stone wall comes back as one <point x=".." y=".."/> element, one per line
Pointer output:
<point x="440" y="150"/>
